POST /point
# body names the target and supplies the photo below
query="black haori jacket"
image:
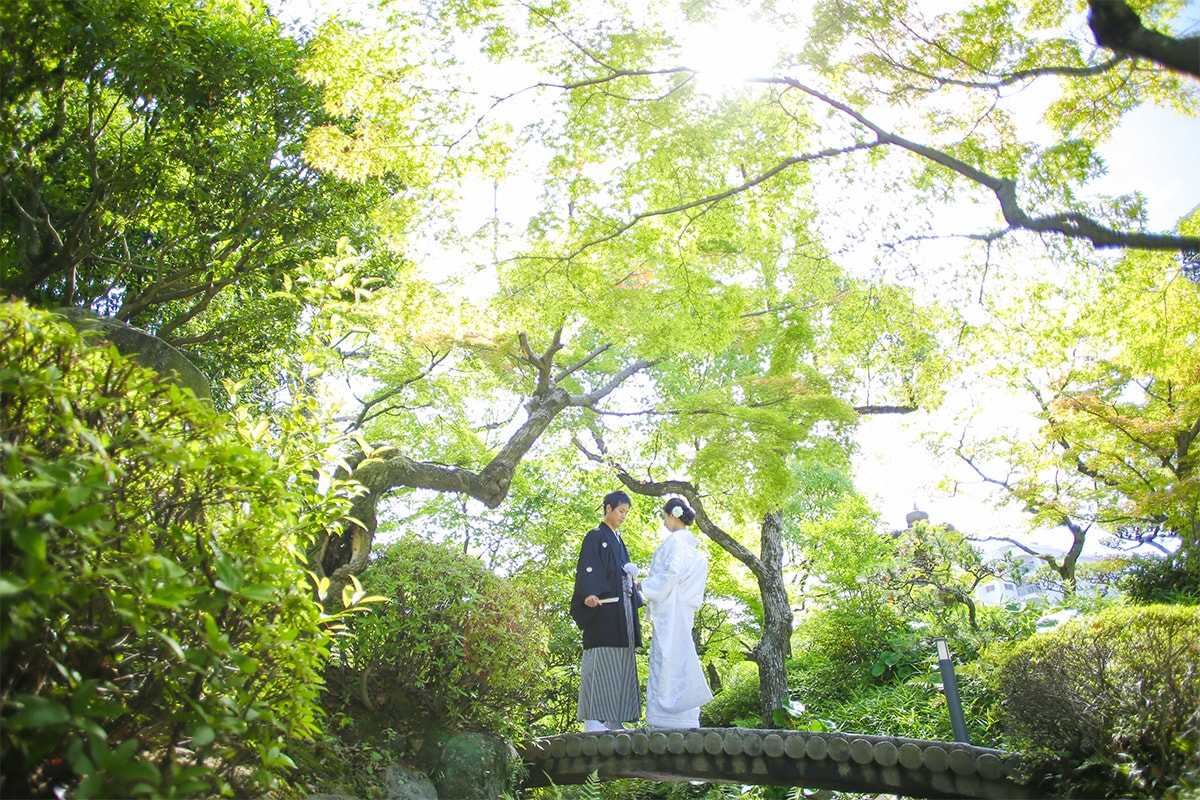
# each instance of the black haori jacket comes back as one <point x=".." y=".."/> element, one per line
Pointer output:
<point x="602" y="558"/>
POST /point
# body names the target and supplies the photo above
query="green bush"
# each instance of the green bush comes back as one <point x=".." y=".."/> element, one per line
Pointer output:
<point x="559" y="701"/>
<point x="1108" y="705"/>
<point x="158" y="633"/>
<point x="1160" y="580"/>
<point x="917" y="708"/>
<point x="835" y="651"/>
<point x="737" y="704"/>
<point x="453" y="648"/>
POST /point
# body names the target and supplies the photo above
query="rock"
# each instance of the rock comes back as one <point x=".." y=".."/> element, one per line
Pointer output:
<point x="147" y="349"/>
<point x="403" y="783"/>
<point x="474" y="766"/>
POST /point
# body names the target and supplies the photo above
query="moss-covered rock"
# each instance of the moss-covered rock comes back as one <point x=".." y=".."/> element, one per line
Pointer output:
<point x="149" y="351"/>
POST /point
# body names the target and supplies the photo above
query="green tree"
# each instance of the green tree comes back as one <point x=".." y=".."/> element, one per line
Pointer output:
<point x="955" y="75"/>
<point x="680" y="285"/>
<point x="939" y="569"/>
<point x="153" y="172"/>
<point x="671" y="218"/>
<point x="1110" y="363"/>
<point x="730" y="424"/>
<point x="613" y="106"/>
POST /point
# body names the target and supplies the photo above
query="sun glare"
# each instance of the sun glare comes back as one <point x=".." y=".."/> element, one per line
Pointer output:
<point x="732" y="47"/>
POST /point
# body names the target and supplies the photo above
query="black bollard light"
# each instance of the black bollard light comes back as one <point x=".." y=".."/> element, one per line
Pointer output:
<point x="950" y="686"/>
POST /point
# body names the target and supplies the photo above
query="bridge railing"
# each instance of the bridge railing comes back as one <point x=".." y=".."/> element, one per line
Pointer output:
<point x="814" y="760"/>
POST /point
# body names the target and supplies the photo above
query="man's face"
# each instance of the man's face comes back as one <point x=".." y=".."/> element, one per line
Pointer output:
<point x="616" y="515"/>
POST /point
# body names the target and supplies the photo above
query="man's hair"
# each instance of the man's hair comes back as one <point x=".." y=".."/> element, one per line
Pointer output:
<point x="614" y="499"/>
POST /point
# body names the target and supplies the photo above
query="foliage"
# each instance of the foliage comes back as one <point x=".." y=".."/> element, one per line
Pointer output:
<point x="336" y="763"/>
<point x="1151" y="581"/>
<point x="152" y="172"/>
<point x="532" y="540"/>
<point x="836" y="649"/>
<point x="554" y="710"/>
<point x="636" y="789"/>
<point x="159" y="634"/>
<point x="834" y="531"/>
<point x="591" y="789"/>
<point x="453" y="648"/>
<point x="916" y="708"/>
<point x="1107" y="356"/>
<point x="737" y="703"/>
<point x="1107" y="706"/>
<point x="190" y="169"/>
<point x="938" y="570"/>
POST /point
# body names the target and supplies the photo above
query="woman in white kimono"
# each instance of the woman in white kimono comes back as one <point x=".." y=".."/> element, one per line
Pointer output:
<point x="674" y="591"/>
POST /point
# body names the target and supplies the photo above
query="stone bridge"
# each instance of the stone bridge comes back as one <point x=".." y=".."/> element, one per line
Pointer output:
<point x="844" y="762"/>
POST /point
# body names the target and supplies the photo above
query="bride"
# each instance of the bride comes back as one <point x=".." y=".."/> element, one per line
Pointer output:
<point x="674" y="590"/>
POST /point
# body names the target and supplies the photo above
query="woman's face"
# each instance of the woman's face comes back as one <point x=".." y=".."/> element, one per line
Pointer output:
<point x="672" y="522"/>
<point x="616" y="515"/>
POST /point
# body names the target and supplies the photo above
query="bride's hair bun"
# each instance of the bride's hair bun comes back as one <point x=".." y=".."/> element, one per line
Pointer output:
<point x="679" y="510"/>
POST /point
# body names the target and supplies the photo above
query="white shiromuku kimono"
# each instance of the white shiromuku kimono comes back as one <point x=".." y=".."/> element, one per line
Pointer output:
<point x="674" y="590"/>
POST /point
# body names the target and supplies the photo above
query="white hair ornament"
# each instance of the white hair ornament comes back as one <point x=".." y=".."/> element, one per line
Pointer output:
<point x="677" y="512"/>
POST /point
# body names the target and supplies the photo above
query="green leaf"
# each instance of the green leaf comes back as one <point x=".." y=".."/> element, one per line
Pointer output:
<point x="36" y="712"/>
<point x="202" y="735"/>
<point x="85" y="517"/>
<point x="12" y="584"/>
<point x="32" y="542"/>
<point x="172" y="643"/>
<point x="264" y="592"/>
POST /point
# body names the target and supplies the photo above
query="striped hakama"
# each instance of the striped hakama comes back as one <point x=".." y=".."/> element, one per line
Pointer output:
<point x="608" y="680"/>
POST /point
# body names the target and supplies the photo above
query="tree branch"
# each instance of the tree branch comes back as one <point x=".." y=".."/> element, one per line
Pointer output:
<point x="711" y="199"/>
<point x="1118" y="27"/>
<point x="692" y="494"/>
<point x="386" y="468"/>
<point x="1069" y="224"/>
<point x="865" y="410"/>
<point x="1018" y="76"/>
<point x="365" y="414"/>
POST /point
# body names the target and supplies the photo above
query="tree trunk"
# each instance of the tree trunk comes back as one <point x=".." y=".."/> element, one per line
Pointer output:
<point x="1119" y="28"/>
<point x="773" y="649"/>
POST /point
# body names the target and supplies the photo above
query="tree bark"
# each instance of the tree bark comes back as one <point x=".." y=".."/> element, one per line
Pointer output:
<point x="773" y="649"/>
<point x="343" y="555"/>
<point x="1118" y="27"/>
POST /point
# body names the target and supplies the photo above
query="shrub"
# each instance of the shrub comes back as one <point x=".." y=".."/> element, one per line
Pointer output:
<point x="835" y="651"/>
<point x="453" y="648"/>
<point x="158" y="633"/>
<point x="1160" y="580"/>
<point x="917" y="708"/>
<point x="737" y="704"/>
<point x="1108" y="705"/>
<point x="559" y="701"/>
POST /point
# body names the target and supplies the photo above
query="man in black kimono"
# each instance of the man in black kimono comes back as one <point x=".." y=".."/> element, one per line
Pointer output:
<point x="604" y="606"/>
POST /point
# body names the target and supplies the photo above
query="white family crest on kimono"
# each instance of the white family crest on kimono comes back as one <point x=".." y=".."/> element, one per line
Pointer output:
<point x="674" y="590"/>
